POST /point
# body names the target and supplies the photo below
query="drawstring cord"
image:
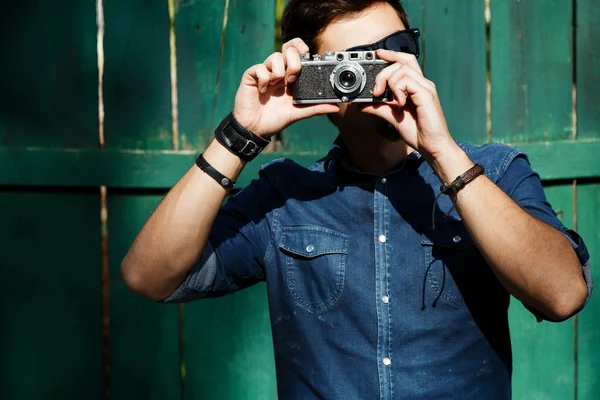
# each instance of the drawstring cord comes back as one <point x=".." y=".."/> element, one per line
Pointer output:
<point x="439" y="294"/>
<point x="455" y="191"/>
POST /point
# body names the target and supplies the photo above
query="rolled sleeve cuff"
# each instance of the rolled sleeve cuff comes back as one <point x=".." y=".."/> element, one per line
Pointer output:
<point x="200" y="279"/>
<point x="584" y="259"/>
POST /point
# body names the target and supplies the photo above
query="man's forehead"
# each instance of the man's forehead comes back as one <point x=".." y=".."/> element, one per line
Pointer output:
<point x="365" y="28"/>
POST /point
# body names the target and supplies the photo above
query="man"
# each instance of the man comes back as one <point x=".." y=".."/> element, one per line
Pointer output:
<point x="379" y="286"/>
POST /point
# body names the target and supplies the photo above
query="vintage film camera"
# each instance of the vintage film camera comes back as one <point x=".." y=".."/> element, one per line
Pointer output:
<point x="339" y="77"/>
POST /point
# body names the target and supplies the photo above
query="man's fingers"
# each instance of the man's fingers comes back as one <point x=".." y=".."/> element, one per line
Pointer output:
<point x="296" y="43"/>
<point x="406" y="70"/>
<point x="276" y="65"/>
<point x="382" y="78"/>
<point x="262" y="76"/>
<point x="405" y="86"/>
<point x="393" y="73"/>
<point x="302" y="112"/>
<point x="292" y="59"/>
<point x="397" y="56"/>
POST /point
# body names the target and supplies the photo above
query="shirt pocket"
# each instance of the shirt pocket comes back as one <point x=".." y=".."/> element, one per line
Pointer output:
<point x="450" y="256"/>
<point x="315" y="259"/>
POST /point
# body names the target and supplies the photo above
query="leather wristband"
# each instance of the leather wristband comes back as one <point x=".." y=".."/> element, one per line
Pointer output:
<point x="239" y="140"/>
<point x="462" y="180"/>
<point x="213" y="173"/>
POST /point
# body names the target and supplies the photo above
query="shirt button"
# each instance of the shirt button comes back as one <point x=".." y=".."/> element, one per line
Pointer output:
<point x="385" y="299"/>
<point x="310" y="248"/>
<point x="383" y="180"/>
<point x="456" y="239"/>
<point x="382" y="238"/>
<point x="386" y="361"/>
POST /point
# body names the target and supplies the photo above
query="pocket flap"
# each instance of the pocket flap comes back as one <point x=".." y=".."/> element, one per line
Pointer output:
<point x="452" y="234"/>
<point x="313" y="241"/>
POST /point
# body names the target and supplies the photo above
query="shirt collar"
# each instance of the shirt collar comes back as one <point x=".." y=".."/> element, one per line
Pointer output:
<point x="338" y="154"/>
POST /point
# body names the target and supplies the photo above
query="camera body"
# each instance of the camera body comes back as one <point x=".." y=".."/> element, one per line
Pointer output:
<point x="339" y="77"/>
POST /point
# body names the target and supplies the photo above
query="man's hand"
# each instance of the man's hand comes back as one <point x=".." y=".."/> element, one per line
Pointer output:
<point x="263" y="103"/>
<point x="416" y="112"/>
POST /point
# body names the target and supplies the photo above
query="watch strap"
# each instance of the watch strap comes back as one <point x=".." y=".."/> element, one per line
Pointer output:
<point x="213" y="173"/>
<point x="239" y="140"/>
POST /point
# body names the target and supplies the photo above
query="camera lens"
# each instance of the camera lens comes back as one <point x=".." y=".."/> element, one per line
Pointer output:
<point x="347" y="79"/>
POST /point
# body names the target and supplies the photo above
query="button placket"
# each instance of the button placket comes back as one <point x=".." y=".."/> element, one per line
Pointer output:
<point x="380" y="224"/>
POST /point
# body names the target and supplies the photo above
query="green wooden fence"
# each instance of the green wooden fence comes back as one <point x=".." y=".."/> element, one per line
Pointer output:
<point x="80" y="173"/>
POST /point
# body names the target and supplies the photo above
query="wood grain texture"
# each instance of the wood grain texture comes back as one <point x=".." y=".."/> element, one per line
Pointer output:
<point x="161" y="169"/>
<point x="531" y="70"/>
<point x="198" y="27"/>
<point x="144" y="334"/>
<point x="137" y="93"/>
<point x="543" y="352"/>
<point x="48" y="78"/>
<point x="588" y="385"/>
<point x="455" y="60"/>
<point x="144" y="337"/>
<point x="249" y="40"/>
<point x="588" y="69"/>
<point x="50" y="296"/>
<point x="588" y="194"/>
<point x="228" y="349"/>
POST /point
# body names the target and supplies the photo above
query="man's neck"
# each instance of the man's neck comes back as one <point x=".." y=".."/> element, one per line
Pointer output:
<point x="373" y="153"/>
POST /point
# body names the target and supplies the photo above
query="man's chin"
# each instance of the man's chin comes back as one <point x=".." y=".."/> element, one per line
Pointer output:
<point x="385" y="130"/>
<point x="355" y="120"/>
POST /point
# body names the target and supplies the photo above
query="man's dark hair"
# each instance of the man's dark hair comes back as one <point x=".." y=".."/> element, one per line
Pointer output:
<point x="307" y="19"/>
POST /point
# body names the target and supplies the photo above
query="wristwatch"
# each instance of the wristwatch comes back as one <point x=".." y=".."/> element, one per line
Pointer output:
<point x="239" y="140"/>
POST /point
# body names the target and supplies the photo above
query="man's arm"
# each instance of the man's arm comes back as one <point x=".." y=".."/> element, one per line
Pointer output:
<point x="172" y="239"/>
<point x="534" y="261"/>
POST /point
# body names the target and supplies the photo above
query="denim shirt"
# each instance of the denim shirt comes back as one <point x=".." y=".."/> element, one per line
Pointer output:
<point x="366" y="299"/>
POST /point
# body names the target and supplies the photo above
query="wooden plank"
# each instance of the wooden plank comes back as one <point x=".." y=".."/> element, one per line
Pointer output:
<point x="588" y="384"/>
<point x="588" y="195"/>
<point x="161" y="169"/>
<point x="198" y="28"/>
<point x="588" y="69"/>
<point x="249" y="39"/>
<point x="458" y="66"/>
<point x="543" y="352"/>
<point x="231" y="359"/>
<point x="531" y="70"/>
<point x="48" y="74"/>
<point x="137" y="90"/>
<point x="144" y="334"/>
<point x="229" y="349"/>
<point x="50" y="299"/>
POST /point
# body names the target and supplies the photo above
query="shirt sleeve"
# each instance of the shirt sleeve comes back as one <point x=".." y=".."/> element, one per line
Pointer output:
<point x="524" y="186"/>
<point x="233" y="257"/>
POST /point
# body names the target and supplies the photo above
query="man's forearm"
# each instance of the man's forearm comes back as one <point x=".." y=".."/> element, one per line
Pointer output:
<point x="172" y="239"/>
<point x="533" y="261"/>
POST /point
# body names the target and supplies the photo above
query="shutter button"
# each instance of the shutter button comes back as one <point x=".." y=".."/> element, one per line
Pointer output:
<point x="456" y="239"/>
<point x="310" y="248"/>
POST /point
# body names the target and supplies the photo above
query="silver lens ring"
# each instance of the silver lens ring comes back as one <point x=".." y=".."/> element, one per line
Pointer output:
<point x="346" y="70"/>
